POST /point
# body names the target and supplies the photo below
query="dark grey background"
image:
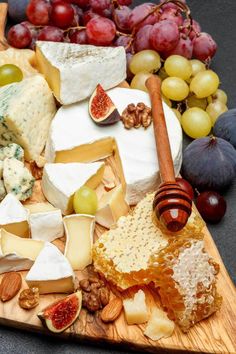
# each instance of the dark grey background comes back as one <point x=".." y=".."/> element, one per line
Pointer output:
<point x="218" y="17"/>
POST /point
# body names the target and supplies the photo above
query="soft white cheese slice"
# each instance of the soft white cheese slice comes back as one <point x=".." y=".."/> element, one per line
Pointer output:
<point x="13" y="216"/>
<point x="60" y="181"/>
<point x="73" y="71"/>
<point x="74" y="137"/>
<point x="51" y="272"/>
<point x="45" y="222"/>
<point x="79" y="239"/>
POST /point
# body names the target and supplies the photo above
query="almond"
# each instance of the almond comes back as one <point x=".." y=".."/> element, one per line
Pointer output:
<point x="10" y="285"/>
<point x="112" y="310"/>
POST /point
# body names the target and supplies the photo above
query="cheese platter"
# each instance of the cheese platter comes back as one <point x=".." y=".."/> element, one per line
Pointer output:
<point x="82" y="254"/>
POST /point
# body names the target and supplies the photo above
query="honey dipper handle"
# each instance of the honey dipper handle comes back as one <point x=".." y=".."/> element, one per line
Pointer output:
<point x="3" y="19"/>
<point x="166" y="166"/>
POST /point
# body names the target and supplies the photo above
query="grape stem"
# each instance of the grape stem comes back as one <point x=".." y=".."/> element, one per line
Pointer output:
<point x="75" y="28"/>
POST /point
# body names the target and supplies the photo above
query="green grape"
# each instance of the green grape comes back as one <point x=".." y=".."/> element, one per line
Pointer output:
<point x="146" y="60"/>
<point x="138" y="81"/>
<point x="193" y="101"/>
<point x="10" y="73"/>
<point x="178" y="66"/>
<point x="177" y="113"/>
<point x="85" y="201"/>
<point x="205" y="83"/>
<point x="215" y="109"/>
<point x="196" y="123"/>
<point x="167" y="101"/>
<point x="175" y="88"/>
<point x="219" y="95"/>
<point x="162" y="74"/>
<point x="197" y="66"/>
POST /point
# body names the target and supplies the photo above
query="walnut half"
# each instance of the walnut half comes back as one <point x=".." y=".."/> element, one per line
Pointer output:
<point x="136" y="116"/>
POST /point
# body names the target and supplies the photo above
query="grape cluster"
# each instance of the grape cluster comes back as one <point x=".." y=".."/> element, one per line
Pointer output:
<point x="166" y="28"/>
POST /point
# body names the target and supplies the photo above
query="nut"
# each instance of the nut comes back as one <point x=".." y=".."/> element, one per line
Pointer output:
<point x="112" y="310"/>
<point x="10" y="285"/>
<point x="29" y="298"/>
<point x="85" y="285"/>
<point x="91" y="302"/>
<point x="94" y="293"/>
<point x="36" y="171"/>
<point x="136" y="116"/>
<point x="104" y="295"/>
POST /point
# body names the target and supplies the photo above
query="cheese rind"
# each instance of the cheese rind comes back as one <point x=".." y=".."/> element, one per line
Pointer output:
<point x="61" y="181"/>
<point x="51" y="272"/>
<point x="74" y="137"/>
<point x="111" y="207"/>
<point x="23" y="247"/>
<point x="61" y="63"/>
<point x="79" y="239"/>
<point x="136" y="311"/>
<point x="13" y="216"/>
<point x="26" y="110"/>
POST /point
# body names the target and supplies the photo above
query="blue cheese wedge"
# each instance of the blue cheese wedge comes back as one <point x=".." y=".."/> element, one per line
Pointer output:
<point x="17" y="179"/>
<point x="73" y="71"/>
<point x="12" y="150"/>
<point x="26" y="111"/>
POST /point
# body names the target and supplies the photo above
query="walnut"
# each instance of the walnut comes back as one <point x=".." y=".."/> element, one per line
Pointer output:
<point x="29" y="298"/>
<point x="95" y="295"/>
<point x="136" y="116"/>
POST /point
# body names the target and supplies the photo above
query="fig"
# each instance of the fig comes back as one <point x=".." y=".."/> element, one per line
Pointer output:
<point x="225" y="126"/>
<point x="209" y="163"/>
<point x="17" y="10"/>
<point x="61" y="314"/>
<point x="101" y="108"/>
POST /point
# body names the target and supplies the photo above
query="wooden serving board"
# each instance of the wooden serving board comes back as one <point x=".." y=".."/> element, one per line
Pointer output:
<point x="216" y="334"/>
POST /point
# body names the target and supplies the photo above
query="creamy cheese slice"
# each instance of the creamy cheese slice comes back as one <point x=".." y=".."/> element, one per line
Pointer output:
<point x="51" y="272"/>
<point x="13" y="216"/>
<point x="74" y="137"/>
<point x="73" y="70"/>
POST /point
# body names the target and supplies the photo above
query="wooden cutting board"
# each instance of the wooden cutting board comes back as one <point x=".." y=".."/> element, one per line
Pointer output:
<point x="216" y="334"/>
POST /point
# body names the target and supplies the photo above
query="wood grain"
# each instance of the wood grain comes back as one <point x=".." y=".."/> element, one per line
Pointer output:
<point x="3" y="16"/>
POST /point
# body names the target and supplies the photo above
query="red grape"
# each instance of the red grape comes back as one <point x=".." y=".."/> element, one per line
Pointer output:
<point x="78" y="36"/>
<point x="19" y="36"/>
<point x="125" y="42"/>
<point x="204" y="47"/>
<point x="142" y="38"/>
<point x="78" y="15"/>
<point x="139" y="13"/>
<point x="51" y="34"/>
<point x="81" y="3"/>
<point x="62" y="15"/>
<point x="98" y="5"/>
<point x="37" y="12"/>
<point x="172" y="15"/>
<point x="125" y="2"/>
<point x="211" y="206"/>
<point x="121" y="18"/>
<point x="164" y="35"/>
<point x="129" y="74"/>
<point x="88" y="15"/>
<point x="170" y="5"/>
<point x="186" y="186"/>
<point x="195" y="28"/>
<point x="106" y="12"/>
<point x="184" y="48"/>
<point x="100" y="31"/>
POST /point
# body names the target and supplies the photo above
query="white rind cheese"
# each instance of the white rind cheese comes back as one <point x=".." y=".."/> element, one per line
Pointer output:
<point x="26" y="111"/>
<point x="51" y="272"/>
<point x="13" y="216"/>
<point x="73" y="71"/>
<point x="60" y="181"/>
<point x="17" y="179"/>
<point x="75" y="137"/>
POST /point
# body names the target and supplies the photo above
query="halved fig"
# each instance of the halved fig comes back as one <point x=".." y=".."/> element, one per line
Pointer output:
<point x="61" y="314"/>
<point x="101" y="108"/>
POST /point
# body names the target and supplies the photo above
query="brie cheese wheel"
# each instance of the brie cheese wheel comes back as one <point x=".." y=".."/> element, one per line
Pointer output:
<point x="45" y="222"/>
<point x="51" y="272"/>
<point x="60" y="181"/>
<point x="13" y="216"/>
<point x="73" y="70"/>
<point x="74" y="137"/>
<point x="79" y="239"/>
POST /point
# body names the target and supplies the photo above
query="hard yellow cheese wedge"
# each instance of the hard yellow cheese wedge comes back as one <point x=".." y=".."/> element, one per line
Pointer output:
<point x="136" y="311"/>
<point x="79" y="239"/>
<point x="159" y="325"/>
<point x="23" y="58"/>
<point x="111" y="206"/>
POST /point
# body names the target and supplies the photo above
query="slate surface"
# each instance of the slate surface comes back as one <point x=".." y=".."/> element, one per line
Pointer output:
<point x="218" y="18"/>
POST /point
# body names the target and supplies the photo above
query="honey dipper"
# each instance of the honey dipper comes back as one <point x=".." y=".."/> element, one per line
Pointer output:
<point x="172" y="205"/>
